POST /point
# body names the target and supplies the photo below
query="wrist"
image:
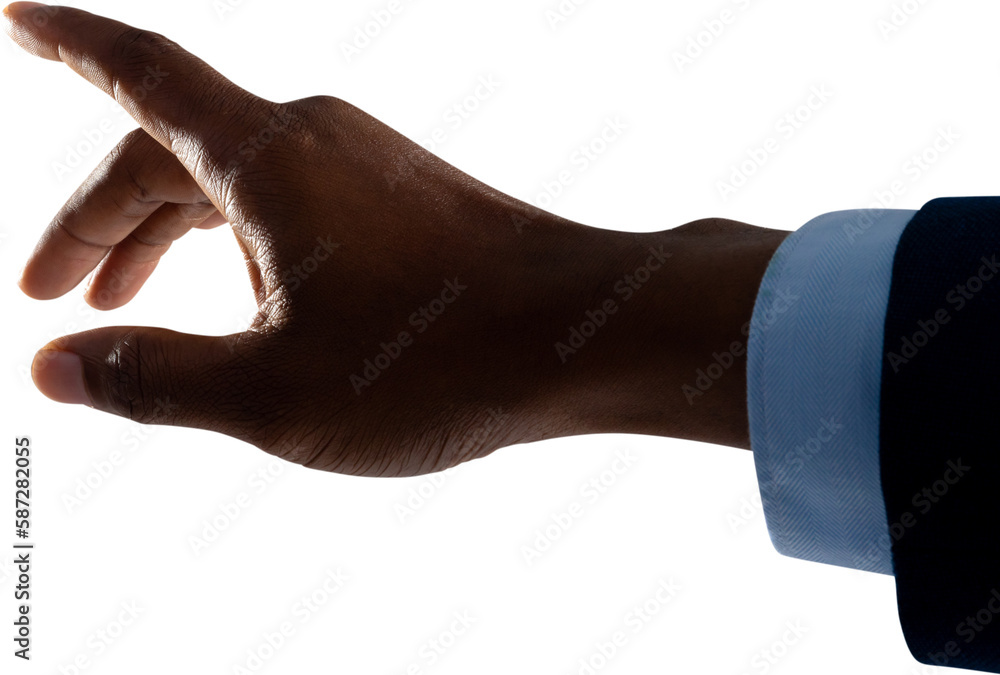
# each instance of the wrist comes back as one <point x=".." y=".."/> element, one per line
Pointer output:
<point x="625" y="322"/>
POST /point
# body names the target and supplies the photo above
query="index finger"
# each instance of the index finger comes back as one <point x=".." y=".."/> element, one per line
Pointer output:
<point x="180" y="100"/>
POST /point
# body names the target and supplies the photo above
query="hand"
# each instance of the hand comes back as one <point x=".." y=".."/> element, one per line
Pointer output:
<point x="409" y="315"/>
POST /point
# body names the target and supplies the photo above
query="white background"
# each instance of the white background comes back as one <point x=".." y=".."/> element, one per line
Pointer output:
<point x="674" y="514"/>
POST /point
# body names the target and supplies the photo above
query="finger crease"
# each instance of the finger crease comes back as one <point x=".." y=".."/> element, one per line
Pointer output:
<point x="148" y="242"/>
<point x="80" y="240"/>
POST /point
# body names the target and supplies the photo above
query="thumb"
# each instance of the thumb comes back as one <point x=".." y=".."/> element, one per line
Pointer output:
<point x="149" y="375"/>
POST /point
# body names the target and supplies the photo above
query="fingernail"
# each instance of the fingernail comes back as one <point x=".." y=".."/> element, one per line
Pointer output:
<point x="59" y="375"/>
<point x="22" y="5"/>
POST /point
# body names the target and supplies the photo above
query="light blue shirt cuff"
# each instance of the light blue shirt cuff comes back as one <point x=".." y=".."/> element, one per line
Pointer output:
<point x="814" y="364"/>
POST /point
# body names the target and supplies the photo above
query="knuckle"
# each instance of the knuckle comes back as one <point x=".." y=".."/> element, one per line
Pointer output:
<point x="316" y="120"/>
<point x="135" y="46"/>
<point x="126" y="388"/>
<point x="246" y="138"/>
<point x="124" y="148"/>
<point x="136" y="188"/>
<point x="269" y="140"/>
<point x="135" y="137"/>
<point x="325" y="102"/>
<point x="194" y="212"/>
<point x="235" y="195"/>
<point x="135" y="57"/>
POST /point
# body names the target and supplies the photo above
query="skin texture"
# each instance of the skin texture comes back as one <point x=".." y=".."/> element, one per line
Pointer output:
<point x="353" y="235"/>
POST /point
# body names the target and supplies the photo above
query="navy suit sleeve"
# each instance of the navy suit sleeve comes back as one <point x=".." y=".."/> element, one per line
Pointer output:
<point x="940" y="431"/>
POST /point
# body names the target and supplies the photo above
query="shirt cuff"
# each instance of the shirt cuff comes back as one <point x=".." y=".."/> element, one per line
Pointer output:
<point x="814" y="364"/>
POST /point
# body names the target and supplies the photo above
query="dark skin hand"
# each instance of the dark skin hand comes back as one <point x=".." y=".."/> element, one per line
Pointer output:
<point x="353" y="235"/>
